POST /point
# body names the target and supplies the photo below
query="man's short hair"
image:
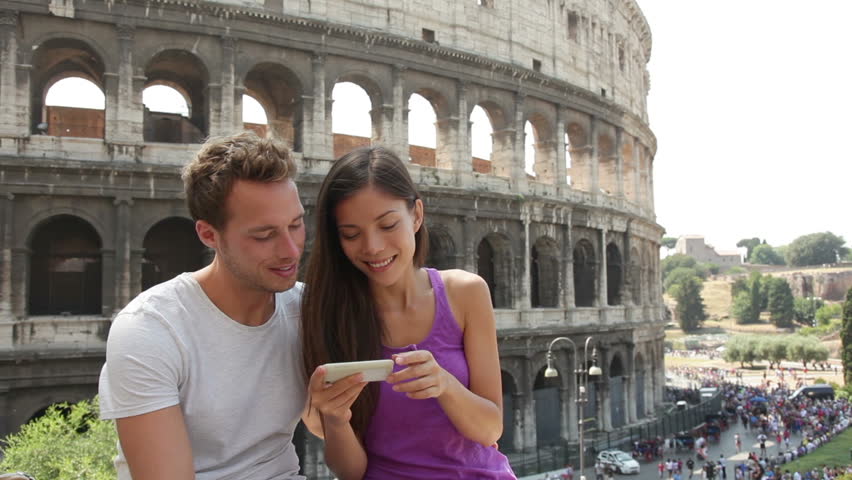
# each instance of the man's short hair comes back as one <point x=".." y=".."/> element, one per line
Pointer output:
<point x="210" y="176"/>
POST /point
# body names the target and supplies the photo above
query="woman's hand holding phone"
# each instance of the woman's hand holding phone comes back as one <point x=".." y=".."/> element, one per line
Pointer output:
<point x="423" y="377"/>
<point x="333" y="400"/>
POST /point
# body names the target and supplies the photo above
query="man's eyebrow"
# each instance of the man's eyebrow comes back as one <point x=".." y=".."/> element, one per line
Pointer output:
<point x="377" y="218"/>
<point x="264" y="228"/>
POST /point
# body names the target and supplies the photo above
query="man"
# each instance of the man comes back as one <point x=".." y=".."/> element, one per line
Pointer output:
<point x="203" y="373"/>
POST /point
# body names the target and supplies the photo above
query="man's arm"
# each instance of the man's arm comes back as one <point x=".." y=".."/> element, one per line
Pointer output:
<point x="156" y="445"/>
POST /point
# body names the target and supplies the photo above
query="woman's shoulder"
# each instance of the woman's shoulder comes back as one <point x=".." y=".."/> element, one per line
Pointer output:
<point x="462" y="281"/>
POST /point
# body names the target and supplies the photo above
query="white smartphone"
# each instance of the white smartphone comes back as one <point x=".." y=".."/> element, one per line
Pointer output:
<point x="373" y="370"/>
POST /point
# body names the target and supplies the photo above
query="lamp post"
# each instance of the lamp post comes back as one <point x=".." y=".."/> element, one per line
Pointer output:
<point x="580" y="384"/>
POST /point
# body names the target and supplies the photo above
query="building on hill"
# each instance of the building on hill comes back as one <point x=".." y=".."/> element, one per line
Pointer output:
<point x="695" y="247"/>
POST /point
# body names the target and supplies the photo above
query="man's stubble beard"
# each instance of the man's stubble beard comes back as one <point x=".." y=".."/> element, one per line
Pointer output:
<point x="250" y="279"/>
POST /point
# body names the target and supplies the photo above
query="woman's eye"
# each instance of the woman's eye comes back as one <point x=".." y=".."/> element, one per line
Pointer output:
<point x="390" y="227"/>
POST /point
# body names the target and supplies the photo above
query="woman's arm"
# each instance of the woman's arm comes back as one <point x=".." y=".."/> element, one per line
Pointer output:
<point x="344" y="454"/>
<point x="477" y="413"/>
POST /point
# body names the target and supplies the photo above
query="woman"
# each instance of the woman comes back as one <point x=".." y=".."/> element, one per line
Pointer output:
<point x="439" y="413"/>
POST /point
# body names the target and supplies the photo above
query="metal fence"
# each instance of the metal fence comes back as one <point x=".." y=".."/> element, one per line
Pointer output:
<point x="668" y="422"/>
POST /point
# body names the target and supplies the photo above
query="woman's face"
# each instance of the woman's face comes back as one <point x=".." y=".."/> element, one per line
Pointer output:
<point x="376" y="232"/>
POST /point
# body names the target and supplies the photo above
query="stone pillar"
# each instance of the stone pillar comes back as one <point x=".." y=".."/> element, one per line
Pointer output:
<point x="6" y="226"/>
<point x="630" y="384"/>
<point x="636" y="173"/>
<point x="222" y="94"/>
<point x="503" y="152"/>
<point x="470" y="242"/>
<point x="136" y="255"/>
<point x="528" y="429"/>
<point x="545" y="167"/>
<point x="627" y="270"/>
<point x="20" y="281"/>
<point x="124" y="111"/>
<point x="398" y="138"/>
<point x="605" y="405"/>
<point x="561" y="168"/>
<point x="568" y="263"/>
<point x="122" y="283"/>
<point x="651" y="183"/>
<point x="524" y="302"/>
<point x="14" y="105"/>
<point x="518" y="425"/>
<point x="603" y="300"/>
<point x="518" y="174"/>
<point x="453" y="150"/>
<point x="318" y="141"/>
<point x="594" y="160"/>
<point x="619" y="163"/>
<point x="109" y="273"/>
<point x="381" y="117"/>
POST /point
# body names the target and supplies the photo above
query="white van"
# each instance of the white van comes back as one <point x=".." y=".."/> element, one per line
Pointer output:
<point x="708" y="392"/>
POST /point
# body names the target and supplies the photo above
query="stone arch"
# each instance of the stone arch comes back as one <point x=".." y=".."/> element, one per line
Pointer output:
<point x="171" y="247"/>
<point x="502" y="139"/>
<point x="185" y="72"/>
<point x="422" y="121"/>
<point x="510" y="390"/>
<point x="44" y="216"/>
<point x="585" y="274"/>
<point x="494" y="265"/>
<point x="344" y="142"/>
<point x="55" y="59"/>
<point x="279" y="90"/>
<point x="548" y="409"/>
<point x="544" y="273"/>
<point x="639" y="382"/>
<point x="65" y="268"/>
<point x="617" y="381"/>
<point x="578" y="155"/>
<point x="442" y="248"/>
<point x="544" y="145"/>
<point x="614" y="274"/>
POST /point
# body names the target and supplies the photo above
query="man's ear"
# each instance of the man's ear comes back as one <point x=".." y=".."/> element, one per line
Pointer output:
<point x="208" y="235"/>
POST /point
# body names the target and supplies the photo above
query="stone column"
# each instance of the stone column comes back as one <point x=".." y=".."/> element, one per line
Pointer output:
<point x="630" y="384"/>
<point x="109" y="272"/>
<point x="470" y="240"/>
<point x="606" y="404"/>
<point x="6" y="226"/>
<point x="398" y="138"/>
<point x="568" y="264"/>
<point x="528" y="429"/>
<point x="518" y="174"/>
<point x="20" y="281"/>
<point x="636" y="173"/>
<point x="453" y="148"/>
<point x="524" y="302"/>
<point x="627" y="273"/>
<point x="560" y="169"/>
<point x="136" y="255"/>
<point x="594" y="160"/>
<point x="318" y="141"/>
<point x="619" y="163"/>
<point x="651" y="183"/>
<point x="222" y="94"/>
<point x="14" y="105"/>
<point x="122" y="283"/>
<point x="518" y="425"/>
<point x="603" y="300"/>
<point x="124" y="111"/>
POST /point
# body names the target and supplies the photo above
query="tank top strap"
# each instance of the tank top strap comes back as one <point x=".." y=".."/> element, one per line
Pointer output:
<point x="445" y="325"/>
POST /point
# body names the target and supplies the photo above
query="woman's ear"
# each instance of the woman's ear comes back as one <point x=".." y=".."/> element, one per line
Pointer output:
<point x="418" y="214"/>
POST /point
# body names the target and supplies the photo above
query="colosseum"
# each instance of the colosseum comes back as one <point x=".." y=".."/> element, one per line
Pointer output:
<point x="91" y="211"/>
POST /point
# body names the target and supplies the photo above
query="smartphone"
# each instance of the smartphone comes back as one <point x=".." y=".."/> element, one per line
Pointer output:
<point x="373" y="370"/>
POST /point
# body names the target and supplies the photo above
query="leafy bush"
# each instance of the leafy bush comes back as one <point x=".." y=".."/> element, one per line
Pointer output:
<point x="67" y="443"/>
<point x="735" y="270"/>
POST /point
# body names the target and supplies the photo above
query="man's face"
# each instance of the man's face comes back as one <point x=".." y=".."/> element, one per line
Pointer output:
<point x="264" y="235"/>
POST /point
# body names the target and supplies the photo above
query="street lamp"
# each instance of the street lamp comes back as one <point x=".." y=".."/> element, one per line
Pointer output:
<point x="581" y="383"/>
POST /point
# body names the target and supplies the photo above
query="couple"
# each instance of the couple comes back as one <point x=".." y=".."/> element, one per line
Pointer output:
<point x="208" y="374"/>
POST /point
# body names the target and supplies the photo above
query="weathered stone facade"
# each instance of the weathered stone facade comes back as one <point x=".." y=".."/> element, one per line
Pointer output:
<point x="87" y="223"/>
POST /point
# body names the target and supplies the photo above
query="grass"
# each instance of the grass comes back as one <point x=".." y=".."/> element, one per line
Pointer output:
<point x="717" y="298"/>
<point x="835" y="452"/>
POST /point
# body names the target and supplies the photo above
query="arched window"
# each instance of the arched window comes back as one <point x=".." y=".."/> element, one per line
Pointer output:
<point x="544" y="274"/>
<point x="176" y="98"/>
<point x="441" y="248"/>
<point x="481" y="132"/>
<point x="351" y="122"/>
<point x="548" y="410"/>
<point x="614" y="273"/>
<point x="485" y="267"/>
<point x="494" y="265"/>
<point x="65" y="268"/>
<point x="584" y="274"/>
<point x="171" y="248"/>
<point x="422" y="132"/>
<point x="75" y="108"/>
<point x="254" y="117"/>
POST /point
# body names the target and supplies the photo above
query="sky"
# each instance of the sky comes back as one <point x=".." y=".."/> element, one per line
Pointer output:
<point x="750" y="102"/>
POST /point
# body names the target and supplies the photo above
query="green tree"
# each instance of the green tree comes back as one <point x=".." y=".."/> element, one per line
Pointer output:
<point x="675" y="261"/>
<point x="742" y="309"/>
<point x="733" y="351"/>
<point x="67" y="443"/>
<point x="846" y="338"/>
<point x="816" y="249"/>
<point x="677" y="276"/>
<point x="739" y="285"/>
<point x="690" y="307"/>
<point x="804" y="309"/>
<point x="780" y="302"/>
<point x="828" y="311"/>
<point x="765" y="255"/>
<point x="775" y="349"/>
<point x="668" y="242"/>
<point x="757" y="294"/>
<point x="749" y="244"/>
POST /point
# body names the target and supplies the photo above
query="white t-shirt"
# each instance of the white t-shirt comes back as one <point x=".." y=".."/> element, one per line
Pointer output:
<point x="241" y="389"/>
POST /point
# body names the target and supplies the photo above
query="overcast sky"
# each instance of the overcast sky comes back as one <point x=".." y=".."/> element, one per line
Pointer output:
<point x="750" y="102"/>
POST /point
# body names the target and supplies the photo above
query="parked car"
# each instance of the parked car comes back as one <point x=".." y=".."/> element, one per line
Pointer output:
<point x="820" y="391"/>
<point x="619" y="461"/>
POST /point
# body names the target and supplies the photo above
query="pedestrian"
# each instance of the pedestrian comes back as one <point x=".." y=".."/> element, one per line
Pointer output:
<point x="722" y="469"/>
<point x="690" y="466"/>
<point x="661" y="468"/>
<point x="738" y="442"/>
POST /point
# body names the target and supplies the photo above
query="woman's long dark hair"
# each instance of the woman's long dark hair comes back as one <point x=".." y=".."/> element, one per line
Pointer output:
<point x="339" y="320"/>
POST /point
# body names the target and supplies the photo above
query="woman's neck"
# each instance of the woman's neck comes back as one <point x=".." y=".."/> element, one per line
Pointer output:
<point x="402" y="295"/>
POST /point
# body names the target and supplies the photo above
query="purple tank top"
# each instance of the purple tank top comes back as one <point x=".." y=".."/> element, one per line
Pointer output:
<point x="414" y="439"/>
